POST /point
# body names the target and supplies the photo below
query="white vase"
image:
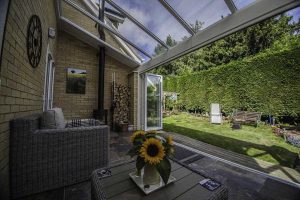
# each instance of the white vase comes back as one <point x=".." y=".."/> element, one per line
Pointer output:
<point x="151" y="175"/>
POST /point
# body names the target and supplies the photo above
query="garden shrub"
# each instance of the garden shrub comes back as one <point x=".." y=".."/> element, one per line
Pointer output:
<point x="268" y="82"/>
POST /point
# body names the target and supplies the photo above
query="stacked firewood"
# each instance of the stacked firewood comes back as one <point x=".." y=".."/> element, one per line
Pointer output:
<point x="121" y="102"/>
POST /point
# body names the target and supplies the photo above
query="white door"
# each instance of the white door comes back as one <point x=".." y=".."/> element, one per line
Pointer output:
<point x="153" y="102"/>
<point x="49" y="82"/>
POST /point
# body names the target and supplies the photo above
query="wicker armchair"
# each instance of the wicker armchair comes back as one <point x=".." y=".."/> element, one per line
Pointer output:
<point x="44" y="159"/>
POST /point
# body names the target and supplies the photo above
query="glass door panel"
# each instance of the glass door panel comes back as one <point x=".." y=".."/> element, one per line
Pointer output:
<point x="153" y="102"/>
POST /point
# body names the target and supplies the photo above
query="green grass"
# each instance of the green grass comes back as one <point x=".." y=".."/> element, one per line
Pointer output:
<point x="257" y="142"/>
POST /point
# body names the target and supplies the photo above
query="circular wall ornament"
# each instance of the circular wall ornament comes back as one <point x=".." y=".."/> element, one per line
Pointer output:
<point x="34" y="40"/>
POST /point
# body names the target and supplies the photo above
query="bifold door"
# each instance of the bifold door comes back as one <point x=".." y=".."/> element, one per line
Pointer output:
<point x="153" y="102"/>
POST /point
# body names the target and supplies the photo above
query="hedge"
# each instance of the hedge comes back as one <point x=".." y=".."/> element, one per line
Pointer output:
<point x="268" y="82"/>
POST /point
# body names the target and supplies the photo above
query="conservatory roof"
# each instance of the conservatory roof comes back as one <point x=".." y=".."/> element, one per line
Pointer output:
<point x="158" y="31"/>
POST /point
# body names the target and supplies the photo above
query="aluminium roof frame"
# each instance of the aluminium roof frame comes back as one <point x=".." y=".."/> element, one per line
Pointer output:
<point x="150" y="33"/>
<point x="177" y="17"/>
<point x="103" y="25"/>
<point x="231" y="6"/>
<point x="240" y="19"/>
<point x="126" y="48"/>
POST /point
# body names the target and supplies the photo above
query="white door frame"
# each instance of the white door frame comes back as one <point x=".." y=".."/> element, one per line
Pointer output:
<point x="144" y="96"/>
<point x="49" y="81"/>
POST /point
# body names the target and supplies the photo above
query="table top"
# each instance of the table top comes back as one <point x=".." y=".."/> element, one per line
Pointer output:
<point x="120" y="186"/>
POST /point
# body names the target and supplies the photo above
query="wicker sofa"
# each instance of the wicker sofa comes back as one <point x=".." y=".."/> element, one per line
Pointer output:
<point x="44" y="159"/>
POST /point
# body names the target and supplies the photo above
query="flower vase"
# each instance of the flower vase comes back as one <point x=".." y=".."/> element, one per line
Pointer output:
<point x="151" y="175"/>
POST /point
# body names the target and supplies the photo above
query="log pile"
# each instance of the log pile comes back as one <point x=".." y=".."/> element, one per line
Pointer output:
<point x="121" y="101"/>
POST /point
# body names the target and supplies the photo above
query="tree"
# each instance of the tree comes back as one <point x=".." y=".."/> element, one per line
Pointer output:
<point x="246" y="42"/>
<point x="197" y="26"/>
<point x="160" y="49"/>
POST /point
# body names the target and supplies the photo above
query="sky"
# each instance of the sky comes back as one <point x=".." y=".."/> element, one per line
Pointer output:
<point x="158" y="20"/>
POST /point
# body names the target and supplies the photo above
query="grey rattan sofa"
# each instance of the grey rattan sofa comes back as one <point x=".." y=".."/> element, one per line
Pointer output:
<point x="44" y="159"/>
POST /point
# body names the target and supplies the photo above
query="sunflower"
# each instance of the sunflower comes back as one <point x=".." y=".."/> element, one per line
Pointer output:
<point x="152" y="151"/>
<point x="135" y="134"/>
<point x="170" y="140"/>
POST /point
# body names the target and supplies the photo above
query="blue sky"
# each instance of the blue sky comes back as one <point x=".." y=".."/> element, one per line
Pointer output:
<point x="156" y="18"/>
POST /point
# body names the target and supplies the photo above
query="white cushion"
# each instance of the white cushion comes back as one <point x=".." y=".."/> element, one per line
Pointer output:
<point x="53" y="119"/>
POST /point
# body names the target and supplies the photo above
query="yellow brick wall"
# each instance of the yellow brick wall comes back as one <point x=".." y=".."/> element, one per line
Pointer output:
<point x="21" y="91"/>
<point x="76" y="54"/>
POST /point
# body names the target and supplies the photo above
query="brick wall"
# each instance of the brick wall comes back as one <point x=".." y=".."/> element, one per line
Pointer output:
<point x="21" y="91"/>
<point x="76" y="54"/>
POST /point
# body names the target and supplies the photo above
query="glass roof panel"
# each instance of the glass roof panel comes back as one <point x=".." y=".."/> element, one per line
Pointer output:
<point x="132" y="33"/>
<point x="131" y="51"/>
<point x="86" y="23"/>
<point x="154" y="17"/>
<point x="239" y="4"/>
<point x="138" y="37"/>
<point x="200" y="13"/>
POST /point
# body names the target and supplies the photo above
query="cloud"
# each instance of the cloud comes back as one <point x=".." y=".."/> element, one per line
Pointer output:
<point x="153" y="16"/>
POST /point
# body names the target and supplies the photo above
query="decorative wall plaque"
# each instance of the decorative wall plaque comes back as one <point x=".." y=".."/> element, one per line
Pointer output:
<point x="34" y="40"/>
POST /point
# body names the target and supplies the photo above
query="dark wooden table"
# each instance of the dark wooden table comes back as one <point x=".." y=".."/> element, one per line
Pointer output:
<point x="119" y="186"/>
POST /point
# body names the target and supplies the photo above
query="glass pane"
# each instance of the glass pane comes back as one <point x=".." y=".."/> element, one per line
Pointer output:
<point x="89" y="25"/>
<point x="153" y="15"/>
<point x="138" y="37"/>
<point x="153" y="101"/>
<point x="134" y="53"/>
<point x="200" y="13"/>
<point x="239" y="4"/>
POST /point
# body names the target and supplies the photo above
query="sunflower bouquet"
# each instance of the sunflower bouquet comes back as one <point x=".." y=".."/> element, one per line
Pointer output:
<point x="153" y="150"/>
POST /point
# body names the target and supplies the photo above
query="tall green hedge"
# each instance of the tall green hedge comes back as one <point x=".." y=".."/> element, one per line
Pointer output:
<point x="268" y="82"/>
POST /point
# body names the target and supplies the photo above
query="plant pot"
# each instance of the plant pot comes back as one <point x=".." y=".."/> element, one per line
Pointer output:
<point x="151" y="175"/>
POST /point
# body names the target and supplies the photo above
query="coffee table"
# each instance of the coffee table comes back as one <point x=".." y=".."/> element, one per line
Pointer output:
<point x="119" y="186"/>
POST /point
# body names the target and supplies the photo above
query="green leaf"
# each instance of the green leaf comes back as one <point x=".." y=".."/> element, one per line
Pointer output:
<point x="140" y="163"/>
<point x="164" y="169"/>
<point x="132" y="152"/>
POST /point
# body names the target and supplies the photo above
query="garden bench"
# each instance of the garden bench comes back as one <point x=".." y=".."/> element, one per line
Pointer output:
<point x="246" y="117"/>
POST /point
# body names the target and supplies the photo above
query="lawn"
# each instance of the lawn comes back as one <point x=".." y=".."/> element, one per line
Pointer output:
<point x="257" y="142"/>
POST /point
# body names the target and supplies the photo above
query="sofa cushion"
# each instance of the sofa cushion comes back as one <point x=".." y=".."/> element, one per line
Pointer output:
<point x="53" y="118"/>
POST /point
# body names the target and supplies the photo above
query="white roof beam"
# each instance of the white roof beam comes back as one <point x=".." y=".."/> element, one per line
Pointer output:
<point x="102" y="24"/>
<point x="177" y="17"/>
<point x="256" y="12"/>
<point x="231" y="6"/>
<point x="141" y="26"/>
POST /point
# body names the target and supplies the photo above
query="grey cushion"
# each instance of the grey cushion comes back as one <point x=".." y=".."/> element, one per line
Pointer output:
<point x="53" y="119"/>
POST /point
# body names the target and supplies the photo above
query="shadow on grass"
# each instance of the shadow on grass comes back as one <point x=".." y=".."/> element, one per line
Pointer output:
<point x="283" y="156"/>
